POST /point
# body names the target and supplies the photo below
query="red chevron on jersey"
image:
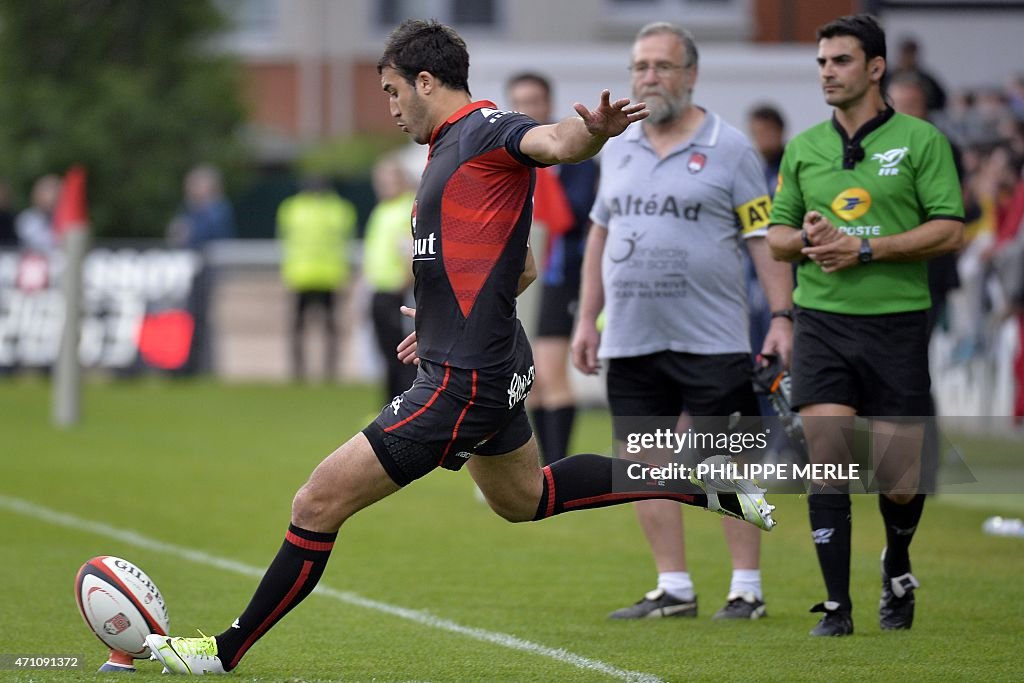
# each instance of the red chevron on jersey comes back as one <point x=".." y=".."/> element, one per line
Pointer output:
<point x="479" y="217"/>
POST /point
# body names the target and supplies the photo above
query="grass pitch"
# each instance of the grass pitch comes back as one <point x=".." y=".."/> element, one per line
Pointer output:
<point x="211" y="469"/>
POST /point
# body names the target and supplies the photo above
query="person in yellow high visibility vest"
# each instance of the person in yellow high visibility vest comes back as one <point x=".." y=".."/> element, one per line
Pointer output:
<point x="315" y="227"/>
<point x="387" y="267"/>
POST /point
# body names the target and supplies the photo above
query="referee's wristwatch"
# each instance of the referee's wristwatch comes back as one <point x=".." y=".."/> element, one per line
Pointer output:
<point x="785" y="313"/>
<point x="865" y="255"/>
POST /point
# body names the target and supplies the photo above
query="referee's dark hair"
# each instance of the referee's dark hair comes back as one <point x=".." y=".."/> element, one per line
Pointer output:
<point x="864" y="27"/>
<point x="418" y="45"/>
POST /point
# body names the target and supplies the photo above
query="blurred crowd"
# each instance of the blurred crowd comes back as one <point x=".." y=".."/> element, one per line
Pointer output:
<point x="979" y="293"/>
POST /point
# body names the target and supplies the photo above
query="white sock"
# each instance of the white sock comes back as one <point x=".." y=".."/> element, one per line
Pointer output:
<point x="746" y="581"/>
<point x="677" y="584"/>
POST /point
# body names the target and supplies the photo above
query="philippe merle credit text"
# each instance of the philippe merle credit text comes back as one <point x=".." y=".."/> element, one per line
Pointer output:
<point x="721" y="443"/>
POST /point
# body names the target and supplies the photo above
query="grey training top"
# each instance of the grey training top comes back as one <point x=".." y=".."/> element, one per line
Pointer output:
<point x="672" y="271"/>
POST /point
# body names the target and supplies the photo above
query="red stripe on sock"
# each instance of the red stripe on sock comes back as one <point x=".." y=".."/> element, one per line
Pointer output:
<point x="306" y="544"/>
<point x="583" y="502"/>
<point x="281" y="607"/>
<point x="551" y="491"/>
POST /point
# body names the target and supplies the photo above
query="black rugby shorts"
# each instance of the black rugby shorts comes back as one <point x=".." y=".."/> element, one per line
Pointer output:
<point x="451" y="414"/>
<point x="877" y="364"/>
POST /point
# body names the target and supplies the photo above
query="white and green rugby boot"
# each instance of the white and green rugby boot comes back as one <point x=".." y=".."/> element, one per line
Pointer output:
<point x="186" y="656"/>
<point x="749" y="503"/>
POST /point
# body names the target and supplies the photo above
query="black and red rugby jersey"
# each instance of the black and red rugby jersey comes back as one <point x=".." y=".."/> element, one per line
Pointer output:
<point x="470" y="227"/>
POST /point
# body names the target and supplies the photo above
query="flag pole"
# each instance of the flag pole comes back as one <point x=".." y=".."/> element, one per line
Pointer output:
<point x="70" y="221"/>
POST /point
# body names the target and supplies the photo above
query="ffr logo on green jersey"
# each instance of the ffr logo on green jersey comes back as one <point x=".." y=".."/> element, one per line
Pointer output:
<point x="888" y="161"/>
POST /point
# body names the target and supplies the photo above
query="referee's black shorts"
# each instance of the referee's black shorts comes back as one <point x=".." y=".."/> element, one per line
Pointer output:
<point x="877" y="364"/>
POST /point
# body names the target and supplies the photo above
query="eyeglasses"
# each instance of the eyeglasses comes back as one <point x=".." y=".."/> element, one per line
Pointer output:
<point x="661" y="69"/>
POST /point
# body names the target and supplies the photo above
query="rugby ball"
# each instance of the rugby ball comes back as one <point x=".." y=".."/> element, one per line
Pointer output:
<point x="121" y="604"/>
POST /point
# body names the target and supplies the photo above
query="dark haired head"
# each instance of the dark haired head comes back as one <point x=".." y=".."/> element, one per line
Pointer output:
<point x="766" y="112"/>
<point x="529" y="77"/>
<point x="864" y="27"/>
<point x="430" y="46"/>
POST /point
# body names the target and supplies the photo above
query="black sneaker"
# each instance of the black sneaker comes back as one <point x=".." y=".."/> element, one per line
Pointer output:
<point x="656" y="604"/>
<point x="742" y="606"/>
<point x="836" y="622"/>
<point x="896" y="608"/>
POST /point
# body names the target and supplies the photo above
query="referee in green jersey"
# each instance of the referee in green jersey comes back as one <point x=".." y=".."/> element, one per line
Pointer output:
<point x="863" y="201"/>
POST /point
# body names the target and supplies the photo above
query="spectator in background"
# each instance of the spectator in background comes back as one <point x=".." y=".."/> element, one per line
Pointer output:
<point x="908" y="63"/>
<point x="1015" y="95"/>
<point x="1004" y="261"/>
<point x="387" y="267"/>
<point x="910" y="96"/>
<point x="206" y="214"/>
<point x="8" y="235"/>
<point x="315" y="227"/>
<point x="986" y="127"/>
<point x="562" y="199"/>
<point x="990" y="184"/>
<point x="34" y="225"/>
<point x="767" y="130"/>
<point x="768" y="135"/>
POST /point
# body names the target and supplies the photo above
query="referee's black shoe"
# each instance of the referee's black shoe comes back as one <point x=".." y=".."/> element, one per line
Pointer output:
<point x="896" y="608"/>
<point x="836" y="622"/>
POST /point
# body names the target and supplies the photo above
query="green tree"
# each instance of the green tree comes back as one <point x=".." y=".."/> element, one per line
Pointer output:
<point x="130" y="89"/>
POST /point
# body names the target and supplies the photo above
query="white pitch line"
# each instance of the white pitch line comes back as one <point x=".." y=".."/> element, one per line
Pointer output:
<point x="44" y="514"/>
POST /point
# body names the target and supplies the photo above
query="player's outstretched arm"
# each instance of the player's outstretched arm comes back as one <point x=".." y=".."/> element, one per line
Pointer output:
<point x="576" y="138"/>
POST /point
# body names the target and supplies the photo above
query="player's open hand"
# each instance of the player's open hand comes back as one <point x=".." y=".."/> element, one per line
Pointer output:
<point x="609" y="118"/>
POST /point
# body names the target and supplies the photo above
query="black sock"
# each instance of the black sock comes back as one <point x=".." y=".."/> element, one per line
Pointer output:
<point x="292" y="575"/>
<point x="539" y="417"/>
<point x="830" y="528"/>
<point x="593" y="481"/>
<point x="900" y="525"/>
<point x="559" y="430"/>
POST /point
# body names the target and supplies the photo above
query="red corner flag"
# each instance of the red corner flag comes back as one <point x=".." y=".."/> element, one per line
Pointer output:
<point x="70" y="213"/>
